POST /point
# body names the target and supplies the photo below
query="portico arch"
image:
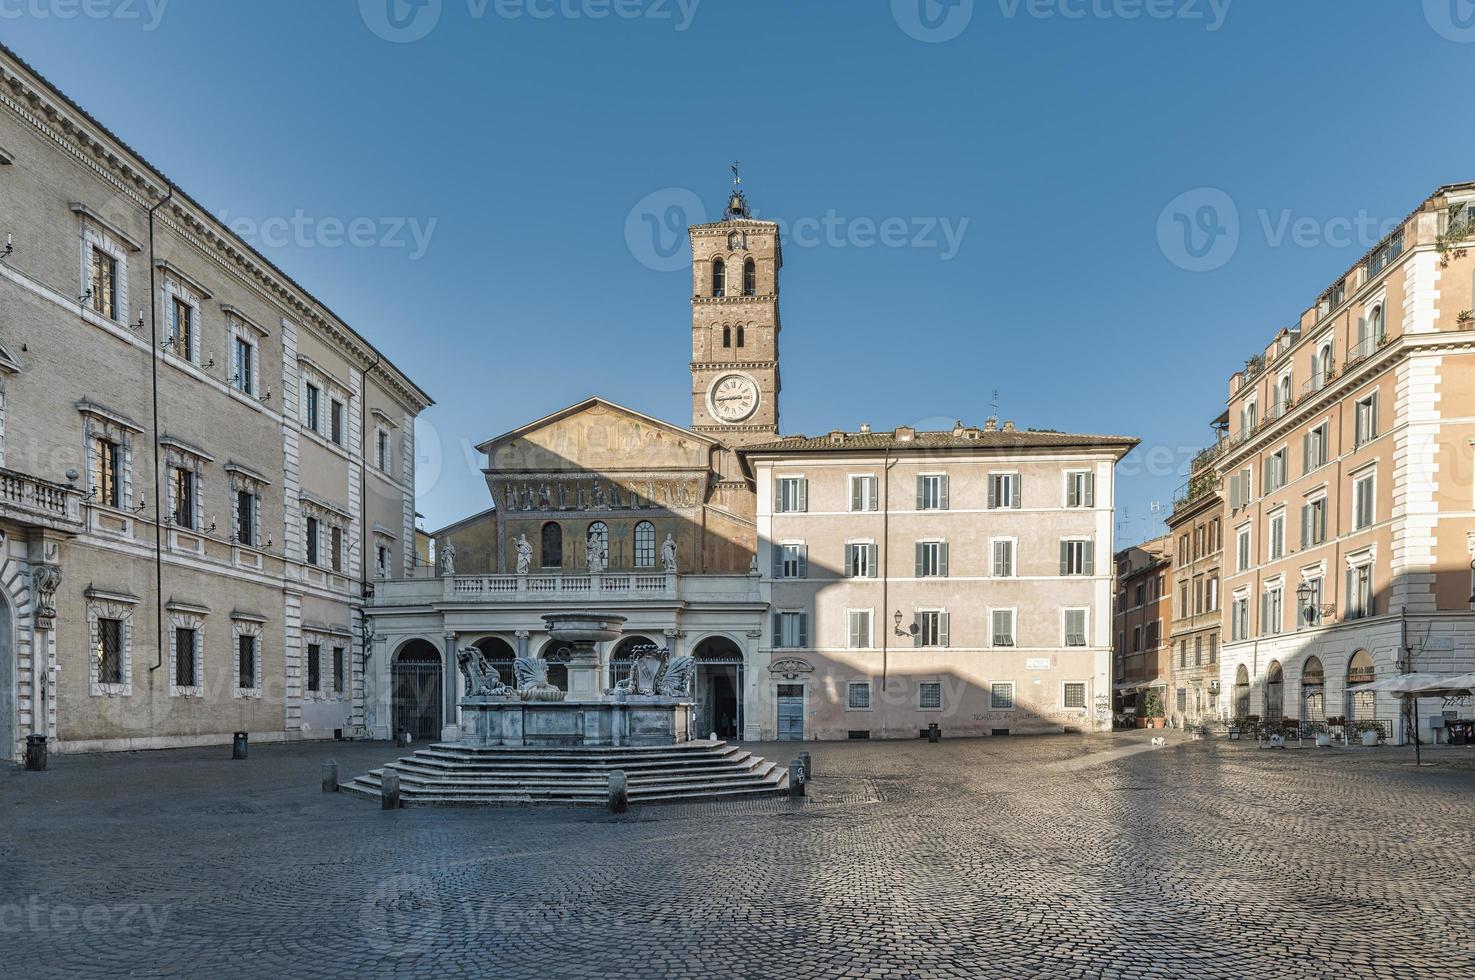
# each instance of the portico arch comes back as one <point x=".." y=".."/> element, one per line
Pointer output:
<point x="1362" y="704"/>
<point x="415" y="689"/>
<point x="622" y="655"/>
<point x="1242" y="692"/>
<point x="719" y="686"/>
<point x="557" y="654"/>
<point x="1313" y="691"/>
<point x="499" y="653"/>
<point x="1275" y="706"/>
<point x="9" y="737"/>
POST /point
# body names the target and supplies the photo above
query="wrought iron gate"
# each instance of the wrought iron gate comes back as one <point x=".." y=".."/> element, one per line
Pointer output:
<point x="417" y="697"/>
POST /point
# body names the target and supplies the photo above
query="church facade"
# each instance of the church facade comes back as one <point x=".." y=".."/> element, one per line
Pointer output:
<point x="775" y="562"/>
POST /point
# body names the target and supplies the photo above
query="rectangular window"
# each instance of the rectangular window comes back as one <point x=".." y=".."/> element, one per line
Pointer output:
<point x="932" y="629"/>
<point x="1308" y="609"/>
<point x="1316" y="442"/>
<point x="1001" y="696"/>
<point x="246" y="517"/>
<point x="314" y="668"/>
<point x="340" y="669"/>
<point x="381" y="452"/>
<point x="1277" y="542"/>
<point x="863" y="493"/>
<point x="931" y="559"/>
<point x="858" y="695"/>
<point x="1136" y="639"/>
<point x="860" y="629"/>
<point x="1079" y="558"/>
<point x="335" y="422"/>
<point x="1003" y="558"/>
<point x="109" y="651"/>
<point x="1073" y="695"/>
<point x="1365" y="420"/>
<point x="1080" y="489"/>
<point x="335" y="548"/>
<point x="184" y="657"/>
<point x="182" y="328"/>
<point x="107" y="478"/>
<point x="104" y="285"/>
<point x="184" y="497"/>
<point x="1242" y="550"/>
<point x="793" y="561"/>
<point x="1272" y="612"/>
<point x="312" y="540"/>
<point x="932" y="492"/>
<point x="313" y="397"/>
<point x="1363" y="513"/>
<point x="1275" y="470"/>
<point x="1003" y="491"/>
<point x="1239" y="620"/>
<point x="791" y="495"/>
<point x="1313" y="522"/>
<point x="929" y="695"/>
<point x="381" y="559"/>
<point x="245" y="662"/>
<point x="790" y="629"/>
<point x="1003" y="627"/>
<point x="1075" y="627"/>
<point x="1183" y="607"/>
<point x="1360" y="591"/>
<point x="860" y="560"/>
<point x="244" y="380"/>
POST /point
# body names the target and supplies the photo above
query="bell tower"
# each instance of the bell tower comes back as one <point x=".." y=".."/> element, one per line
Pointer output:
<point x="735" y="325"/>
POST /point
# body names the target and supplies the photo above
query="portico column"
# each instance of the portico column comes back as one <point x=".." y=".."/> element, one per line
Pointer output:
<point x="673" y="640"/>
<point x="451" y="728"/>
<point x="522" y="643"/>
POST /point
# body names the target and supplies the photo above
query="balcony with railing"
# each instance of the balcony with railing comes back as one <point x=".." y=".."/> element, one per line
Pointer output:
<point x="31" y="500"/>
<point x="1363" y="350"/>
<point x="557" y="589"/>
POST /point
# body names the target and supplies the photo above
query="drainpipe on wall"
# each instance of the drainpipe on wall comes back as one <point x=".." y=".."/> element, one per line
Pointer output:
<point x="158" y="504"/>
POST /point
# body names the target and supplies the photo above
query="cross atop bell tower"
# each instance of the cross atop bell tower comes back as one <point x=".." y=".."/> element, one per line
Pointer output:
<point x="735" y="324"/>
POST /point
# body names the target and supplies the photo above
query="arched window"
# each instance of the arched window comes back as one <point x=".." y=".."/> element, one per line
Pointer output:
<point x="750" y="278"/>
<point x="727" y="336"/>
<point x="598" y="532"/>
<point x="1313" y="691"/>
<point x="1325" y="364"/>
<point x="1241" y="692"/>
<point x="1361" y="703"/>
<point x="719" y="277"/>
<point x="552" y="546"/>
<point x="645" y="545"/>
<point x="740" y="335"/>
<point x="1275" y="709"/>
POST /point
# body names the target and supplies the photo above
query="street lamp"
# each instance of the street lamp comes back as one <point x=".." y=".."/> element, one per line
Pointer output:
<point x="910" y="630"/>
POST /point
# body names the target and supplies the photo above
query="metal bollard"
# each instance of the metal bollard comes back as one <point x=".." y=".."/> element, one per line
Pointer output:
<point x="619" y="792"/>
<point x="330" y="776"/>
<point x="389" y="790"/>
<point x="238" y="745"/>
<point x="808" y="765"/>
<point x="36" y="753"/>
<point x="934" y="734"/>
<point x="796" y="778"/>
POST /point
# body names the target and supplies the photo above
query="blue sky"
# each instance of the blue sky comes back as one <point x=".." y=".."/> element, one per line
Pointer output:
<point x="501" y="168"/>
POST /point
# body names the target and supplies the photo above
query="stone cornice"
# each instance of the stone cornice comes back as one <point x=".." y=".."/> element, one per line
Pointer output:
<point x="732" y="300"/>
<point x="93" y="146"/>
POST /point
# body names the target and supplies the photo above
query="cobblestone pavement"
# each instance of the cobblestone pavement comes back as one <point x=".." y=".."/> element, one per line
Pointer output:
<point x="1045" y="857"/>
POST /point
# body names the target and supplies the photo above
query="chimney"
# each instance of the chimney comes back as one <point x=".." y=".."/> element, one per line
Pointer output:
<point x="1009" y="426"/>
<point x="865" y="428"/>
<point x="905" y="433"/>
<point x="958" y="429"/>
<point x="991" y="424"/>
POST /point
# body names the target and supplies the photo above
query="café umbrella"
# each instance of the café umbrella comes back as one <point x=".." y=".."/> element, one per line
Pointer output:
<point x="1425" y="685"/>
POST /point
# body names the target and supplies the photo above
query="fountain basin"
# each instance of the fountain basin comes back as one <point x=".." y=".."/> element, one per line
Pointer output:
<point x="576" y="722"/>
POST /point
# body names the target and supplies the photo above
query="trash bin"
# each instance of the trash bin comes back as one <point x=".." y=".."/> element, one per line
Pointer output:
<point x="36" y="753"/>
<point x="238" y="746"/>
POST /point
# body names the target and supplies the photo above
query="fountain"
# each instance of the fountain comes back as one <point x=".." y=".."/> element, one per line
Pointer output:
<point x="652" y="707"/>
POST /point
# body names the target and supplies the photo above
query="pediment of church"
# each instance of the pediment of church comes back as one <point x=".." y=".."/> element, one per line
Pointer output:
<point x="597" y="436"/>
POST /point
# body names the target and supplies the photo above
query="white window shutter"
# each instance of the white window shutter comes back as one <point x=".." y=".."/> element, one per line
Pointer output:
<point x="1018" y="491"/>
<point x="856" y="482"/>
<point x="1088" y="564"/>
<point x="942" y="559"/>
<point x="921" y="492"/>
<point x="1090" y="482"/>
<point x="943" y="492"/>
<point x="917" y="629"/>
<point x="871" y="570"/>
<point x="993" y="492"/>
<point x="919" y="559"/>
<point x="942" y="629"/>
<point x="1065" y="558"/>
<point x="804" y="561"/>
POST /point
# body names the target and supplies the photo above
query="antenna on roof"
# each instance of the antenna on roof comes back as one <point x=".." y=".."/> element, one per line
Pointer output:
<point x="995" y="410"/>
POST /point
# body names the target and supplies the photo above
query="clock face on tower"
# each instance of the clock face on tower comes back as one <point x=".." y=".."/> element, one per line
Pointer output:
<point x="733" y="398"/>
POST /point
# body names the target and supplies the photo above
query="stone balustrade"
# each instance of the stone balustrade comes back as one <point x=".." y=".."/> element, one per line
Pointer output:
<point x="573" y="589"/>
<point x="28" y="499"/>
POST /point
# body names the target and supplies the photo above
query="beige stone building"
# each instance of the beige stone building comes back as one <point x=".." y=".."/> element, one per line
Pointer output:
<point x="203" y="465"/>
<point x="1349" y="520"/>
<point x="1196" y="529"/>
<point x="779" y="564"/>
